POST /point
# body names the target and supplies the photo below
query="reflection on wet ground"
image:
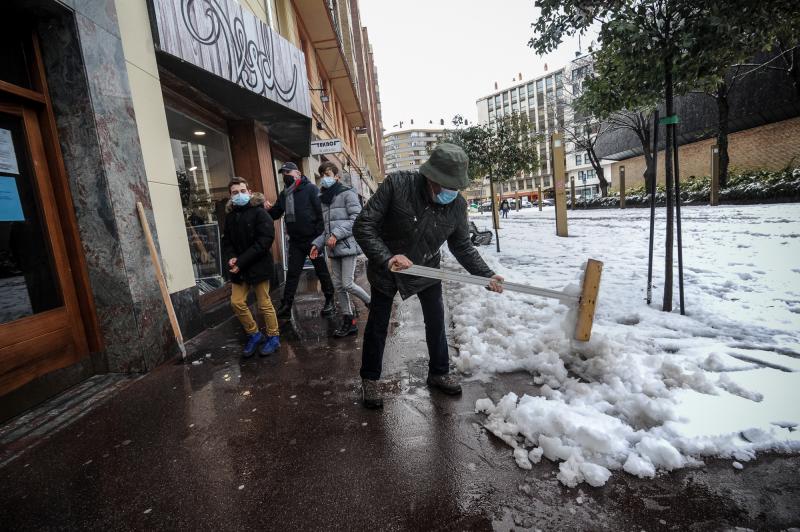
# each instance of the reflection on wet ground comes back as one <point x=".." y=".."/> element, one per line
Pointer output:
<point x="283" y="443"/>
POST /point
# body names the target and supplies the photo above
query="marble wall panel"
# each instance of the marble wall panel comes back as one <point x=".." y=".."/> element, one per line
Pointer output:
<point x="97" y="129"/>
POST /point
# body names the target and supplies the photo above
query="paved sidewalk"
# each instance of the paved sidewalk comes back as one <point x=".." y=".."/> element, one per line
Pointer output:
<point x="282" y="443"/>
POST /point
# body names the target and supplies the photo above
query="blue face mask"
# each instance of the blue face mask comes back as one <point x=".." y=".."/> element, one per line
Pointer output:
<point x="241" y="199"/>
<point x="327" y="182"/>
<point x="446" y="196"/>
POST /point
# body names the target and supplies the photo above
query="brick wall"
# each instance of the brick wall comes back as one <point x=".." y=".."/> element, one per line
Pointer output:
<point x="770" y="147"/>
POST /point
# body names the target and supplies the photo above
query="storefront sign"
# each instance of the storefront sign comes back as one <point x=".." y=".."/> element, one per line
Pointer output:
<point x="8" y="158"/>
<point x="318" y="147"/>
<point x="10" y="205"/>
<point x="222" y="37"/>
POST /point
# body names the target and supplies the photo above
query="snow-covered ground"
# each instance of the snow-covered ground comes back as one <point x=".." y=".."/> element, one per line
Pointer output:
<point x="651" y="391"/>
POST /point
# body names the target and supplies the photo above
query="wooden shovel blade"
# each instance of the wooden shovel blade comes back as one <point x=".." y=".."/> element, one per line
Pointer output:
<point x="588" y="300"/>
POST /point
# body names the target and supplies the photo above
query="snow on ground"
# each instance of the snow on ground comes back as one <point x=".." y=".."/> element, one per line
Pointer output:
<point x="651" y="391"/>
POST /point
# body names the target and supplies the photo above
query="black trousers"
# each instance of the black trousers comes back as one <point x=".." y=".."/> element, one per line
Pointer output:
<point x="298" y="251"/>
<point x="380" y="311"/>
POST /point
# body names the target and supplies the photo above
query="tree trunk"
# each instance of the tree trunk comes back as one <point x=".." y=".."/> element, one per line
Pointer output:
<point x="667" y="306"/>
<point x="791" y="59"/>
<point x="494" y="214"/>
<point x="603" y="181"/>
<point x="643" y="132"/>
<point x="723" y="112"/>
<point x="794" y="71"/>
<point x="649" y="172"/>
<point x="598" y="169"/>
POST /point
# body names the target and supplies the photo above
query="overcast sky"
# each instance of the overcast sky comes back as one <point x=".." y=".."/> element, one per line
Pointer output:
<point x="436" y="57"/>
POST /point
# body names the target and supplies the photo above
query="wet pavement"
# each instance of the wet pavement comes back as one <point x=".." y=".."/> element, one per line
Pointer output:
<point x="282" y="443"/>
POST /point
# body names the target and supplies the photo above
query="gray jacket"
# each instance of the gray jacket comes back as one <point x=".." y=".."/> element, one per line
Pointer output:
<point x="338" y="217"/>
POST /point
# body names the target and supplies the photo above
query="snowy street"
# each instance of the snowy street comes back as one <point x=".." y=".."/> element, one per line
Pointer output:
<point x="651" y="391"/>
<point x="283" y="443"/>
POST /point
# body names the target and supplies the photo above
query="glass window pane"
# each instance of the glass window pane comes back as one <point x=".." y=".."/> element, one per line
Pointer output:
<point x="203" y="165"/>
<point x="14" y="59"/>
<point x="28" y="282"/>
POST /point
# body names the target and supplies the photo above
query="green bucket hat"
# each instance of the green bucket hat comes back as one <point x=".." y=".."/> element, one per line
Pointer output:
<point x="447" y="166"/>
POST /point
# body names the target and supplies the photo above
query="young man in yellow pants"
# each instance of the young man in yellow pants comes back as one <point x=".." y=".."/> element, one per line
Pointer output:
<point x="249" y="233"/>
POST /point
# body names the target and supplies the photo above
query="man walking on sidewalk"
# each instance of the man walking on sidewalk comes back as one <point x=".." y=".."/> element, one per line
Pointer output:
<point x="340" y="207"/>
<point x="405" y="223"/>
<point x="299" y="202"/>
<point x="249" y="233"/>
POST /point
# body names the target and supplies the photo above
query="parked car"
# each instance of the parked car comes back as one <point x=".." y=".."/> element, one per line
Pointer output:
<point x="547" y="202"/>
<point x="526" y="204"/>
<point x="486" y="206"/>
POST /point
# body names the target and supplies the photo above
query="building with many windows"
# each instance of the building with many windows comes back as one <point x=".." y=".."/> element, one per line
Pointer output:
<point x="543" y="100"/>
<point x="407" y="149"/>
<point x="578" y="164"/>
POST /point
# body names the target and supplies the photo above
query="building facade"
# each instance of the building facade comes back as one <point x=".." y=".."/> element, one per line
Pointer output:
<point x="579" y="168"/>
<point x="407" y="149"/>
<point x="108" y="103"/>
<point x="543" y="100"/>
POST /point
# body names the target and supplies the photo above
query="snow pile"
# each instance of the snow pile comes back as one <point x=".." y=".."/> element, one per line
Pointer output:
<point x="651" y="391"/>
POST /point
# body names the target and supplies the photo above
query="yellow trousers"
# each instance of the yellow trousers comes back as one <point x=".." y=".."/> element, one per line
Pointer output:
<point x="239" y="304"/>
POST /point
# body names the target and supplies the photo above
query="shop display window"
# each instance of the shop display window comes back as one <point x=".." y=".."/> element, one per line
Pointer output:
<point x="204" y="167"/>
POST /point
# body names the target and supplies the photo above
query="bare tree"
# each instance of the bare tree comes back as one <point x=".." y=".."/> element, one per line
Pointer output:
<point x="585" y="134"/>
<point x="640" y="122"/>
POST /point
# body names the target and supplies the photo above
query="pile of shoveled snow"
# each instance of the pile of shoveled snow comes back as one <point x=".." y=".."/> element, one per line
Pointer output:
<point x="652" y="391"/>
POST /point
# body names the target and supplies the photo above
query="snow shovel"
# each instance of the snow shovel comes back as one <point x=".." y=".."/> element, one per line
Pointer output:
<point x="585" y="302"/>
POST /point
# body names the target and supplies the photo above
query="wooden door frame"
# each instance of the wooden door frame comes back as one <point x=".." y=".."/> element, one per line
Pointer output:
<point x="38" y="344"/>
<point x="77" y="318"/>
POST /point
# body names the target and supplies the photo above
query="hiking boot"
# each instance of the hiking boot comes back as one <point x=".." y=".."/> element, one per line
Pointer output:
<point x="252" y="343"/>
<point x="329" y="308"/>
<point x="347" y="328"/>
<point x="270" y="346"/>
<point x="447" y="383"/>
<point x="284" y="311"/>
<point x="371" y="394"/>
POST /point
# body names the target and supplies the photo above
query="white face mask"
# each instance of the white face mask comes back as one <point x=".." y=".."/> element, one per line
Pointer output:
<point x="327" y="181"/>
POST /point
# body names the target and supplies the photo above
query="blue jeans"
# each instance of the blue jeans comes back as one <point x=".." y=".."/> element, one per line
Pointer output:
<point x="380" y="312"/>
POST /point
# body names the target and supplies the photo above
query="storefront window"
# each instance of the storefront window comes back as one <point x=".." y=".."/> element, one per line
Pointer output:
<point x="203" y="166"/>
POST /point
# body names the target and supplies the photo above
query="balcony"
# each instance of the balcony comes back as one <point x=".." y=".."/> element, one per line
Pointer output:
<point x="370" y="155"/>
<point x="321" y="24"/>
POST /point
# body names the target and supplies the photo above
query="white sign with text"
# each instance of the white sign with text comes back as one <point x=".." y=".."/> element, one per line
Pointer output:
<point x="319" y="147"/>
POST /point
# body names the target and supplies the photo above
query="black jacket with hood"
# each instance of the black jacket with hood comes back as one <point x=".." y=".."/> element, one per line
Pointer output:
<point x="249" y="233"/>
<point x="402" y="218"/>
<point x="308" y="223"/>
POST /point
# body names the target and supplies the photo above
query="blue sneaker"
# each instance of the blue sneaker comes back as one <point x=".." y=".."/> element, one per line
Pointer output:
<point x="252" y="343"/>
<point x="271" y="345"/>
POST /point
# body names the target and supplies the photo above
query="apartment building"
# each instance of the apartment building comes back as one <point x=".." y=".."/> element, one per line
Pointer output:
<point x="543" y="100"/>
<point x="578" y="133"/>
<point x="407" y="149"/>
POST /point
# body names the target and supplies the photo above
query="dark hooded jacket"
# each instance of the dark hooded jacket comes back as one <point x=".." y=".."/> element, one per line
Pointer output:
<point x="401" y="218"/>
<point x="249" y="232"/>
<point x="307" y="223"/>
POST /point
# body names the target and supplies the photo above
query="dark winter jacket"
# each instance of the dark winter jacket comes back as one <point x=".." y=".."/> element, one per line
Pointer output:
<point x="249" y="232"/>
<point x="401" y="218"/>
<point x="338" y="216"/>
<point x="307" y="223"/>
